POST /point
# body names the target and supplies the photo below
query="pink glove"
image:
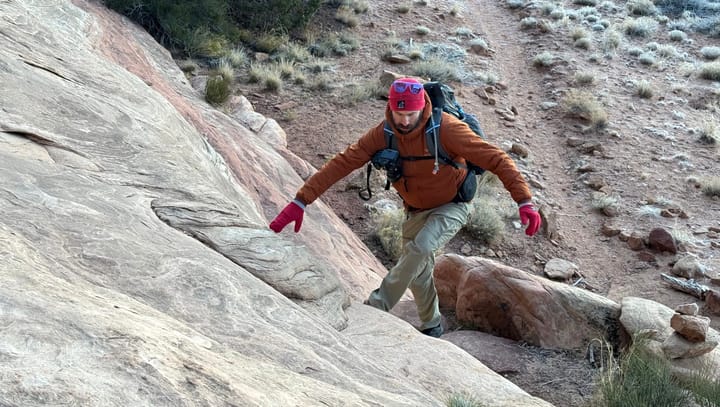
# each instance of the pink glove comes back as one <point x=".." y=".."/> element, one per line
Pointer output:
<point x="530" y="217"/>
<point x="293" y="212"/>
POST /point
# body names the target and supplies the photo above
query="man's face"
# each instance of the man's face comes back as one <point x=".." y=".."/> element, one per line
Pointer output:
<point x="406" y="121"/>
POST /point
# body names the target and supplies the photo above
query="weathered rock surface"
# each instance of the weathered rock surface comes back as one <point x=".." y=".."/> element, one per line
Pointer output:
<point x="652" y="319"/>
<point x="137" y="266"/>
<point x="513" y="304"/>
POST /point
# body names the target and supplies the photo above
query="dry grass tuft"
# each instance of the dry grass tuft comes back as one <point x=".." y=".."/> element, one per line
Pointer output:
<point x="582" y="104"/>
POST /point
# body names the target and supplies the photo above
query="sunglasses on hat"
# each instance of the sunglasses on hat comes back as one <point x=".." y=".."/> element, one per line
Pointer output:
<point x="401" y="87"/>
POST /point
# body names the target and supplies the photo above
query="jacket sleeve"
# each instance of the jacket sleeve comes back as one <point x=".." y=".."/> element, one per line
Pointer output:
<point x="462" y="142"/>
<point x="354" y="157"/>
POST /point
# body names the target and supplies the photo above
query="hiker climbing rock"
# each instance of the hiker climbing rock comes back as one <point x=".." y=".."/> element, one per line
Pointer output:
<point x="434" y="190"/>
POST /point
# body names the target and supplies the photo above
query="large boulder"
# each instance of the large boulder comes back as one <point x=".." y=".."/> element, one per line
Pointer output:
<point x="513" y="304"/>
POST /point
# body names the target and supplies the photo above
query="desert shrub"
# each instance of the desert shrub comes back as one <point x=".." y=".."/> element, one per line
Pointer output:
<point x="356" y="93"/>
<point x="639" y="378"/>
<point x="700" y="8"/>
<point x="285" y="67"/>
<point x="206" y="27"/>
<point x="270" y="42"/>
<point x="546" y="8"/>
<point x="611" y="41"/>
<point x="513" y="4"/>
<point x="528" y="22"/>
<point x="647" y="58"/>
<point x="643" y="89"/>
<point x="641" y="7"/>
<point x="388" y="230"/>
<point x="640" y="27"/>
<point x="403" y="8"/>
<point x="583" y="43"/>
<point x="584" y="78"/>
<point x="188" y="66"/>
<point x="704" y="387"/>
<point x="272" y="79"/>
<point x="710" y="53"/>
<point x="422" y="30"/>
<point x="292" y="51"/>
<point x="677" y="35"/>
<point x="484" y="223"/>
<point x="604" y="202"/>
<point x="488" y="211"/>
<point x="217" y="89"/>
<point x="319" y="83"/>
<point x="557" y="14"/>
<point x="177" y="25"/>
<point x="437" y="69"/>
<point x="347" y="16"/>
<point x="711" y="71"/>
<point x="237" y="57"/>
<point x="710" y="186"/>
<point x="583" y="105"/>
<point x="225" y="69"/>
<point x="585" y="2"/>
<point x="667" y="51"/>
<point x="578" y="32"/>
<point x="710" y="133"/>
<point x="479" y="43"/>
<point x="635" y="51"/>
<point x="334" y="44"/>
<point x="277" y="15"/>
<point x="463" y="400"/>
<point x="543" y="59"/>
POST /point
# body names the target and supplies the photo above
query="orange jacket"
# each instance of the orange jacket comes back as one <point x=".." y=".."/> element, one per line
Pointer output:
<point x="419" y="187"/>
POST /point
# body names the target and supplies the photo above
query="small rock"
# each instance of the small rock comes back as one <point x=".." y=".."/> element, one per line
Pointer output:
<point x="466" y="249"/>
<point x="636" y="242"/>
<point x="559" y="269"/>
<point x="399" y="59"/>
<point x="694" y="328"/>
<point x="610" y="229"/>
<point x="688" y="267"/>
<point x="687" y="309"/>
<point x="661" y="240"/>
<point x="547" y="105"/>
<point x="712" y="302"/>
<point x="611" y="211"/>
<point x="647" y="257"/>
<point x="596" y="183"/>
<point x="520" y="150"/>
<point x="624" y="236"/>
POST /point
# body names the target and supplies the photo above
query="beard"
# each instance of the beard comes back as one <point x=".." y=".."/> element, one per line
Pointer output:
<point x="406" y="129"/>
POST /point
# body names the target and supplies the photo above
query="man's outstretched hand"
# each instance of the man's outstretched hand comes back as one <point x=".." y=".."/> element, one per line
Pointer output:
<point x="293" y="212"/>
<point x="530" y="217"/>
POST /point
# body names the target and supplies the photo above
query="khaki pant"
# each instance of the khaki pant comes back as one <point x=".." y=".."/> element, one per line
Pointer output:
<point x="423" y="234"/>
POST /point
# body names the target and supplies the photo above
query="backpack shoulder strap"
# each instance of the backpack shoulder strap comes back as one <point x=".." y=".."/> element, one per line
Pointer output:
<point x="432" y="138"/>
<point x="389" y="137"/>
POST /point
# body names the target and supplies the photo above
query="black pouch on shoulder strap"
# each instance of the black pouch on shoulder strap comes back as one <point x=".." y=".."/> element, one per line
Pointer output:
<point x="467" y="189"/>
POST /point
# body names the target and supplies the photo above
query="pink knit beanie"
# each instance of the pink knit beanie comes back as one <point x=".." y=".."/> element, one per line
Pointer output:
<point x="406" y="94"/>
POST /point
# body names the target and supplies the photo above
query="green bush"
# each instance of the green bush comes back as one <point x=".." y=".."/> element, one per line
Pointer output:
<point x="217" y="89"/>
<point x="177" y="24"/>
<point x="278" y="15"/>
<point x="206" y="27"/>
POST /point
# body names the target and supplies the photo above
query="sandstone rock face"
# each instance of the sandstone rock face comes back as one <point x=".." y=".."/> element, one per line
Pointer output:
<point x="137" y="266"/>
<point x="513" y="304"/>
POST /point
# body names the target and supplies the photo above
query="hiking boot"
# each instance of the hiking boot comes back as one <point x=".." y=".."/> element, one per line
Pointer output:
<point x="435" y="332"/>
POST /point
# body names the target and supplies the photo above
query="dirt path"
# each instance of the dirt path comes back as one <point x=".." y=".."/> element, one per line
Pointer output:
<point x="550" y="163"/>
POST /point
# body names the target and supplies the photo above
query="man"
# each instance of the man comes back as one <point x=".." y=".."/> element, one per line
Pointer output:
<point x="429" y="193"/>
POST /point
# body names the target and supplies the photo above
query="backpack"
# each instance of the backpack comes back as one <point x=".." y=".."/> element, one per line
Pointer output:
<point x="442" y="99"/>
